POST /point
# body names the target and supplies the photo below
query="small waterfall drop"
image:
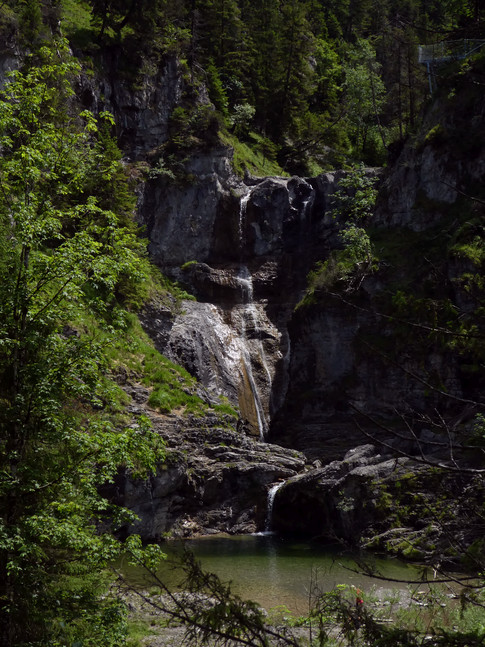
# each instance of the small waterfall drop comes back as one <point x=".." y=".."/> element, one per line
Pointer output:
<point x="307" y="204"/>
<point x="243" y="205"/>
<point x="269" y="510"/>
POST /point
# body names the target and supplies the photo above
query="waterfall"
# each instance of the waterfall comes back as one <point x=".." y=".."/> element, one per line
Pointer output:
<point x="250" y="311"/>
<point x="269" y="510"/>
<point x="243" y="204"/>
<point x="306" y="206"/>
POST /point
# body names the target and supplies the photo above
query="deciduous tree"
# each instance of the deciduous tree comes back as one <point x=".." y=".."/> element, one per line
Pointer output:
<point x="62" y="256"/>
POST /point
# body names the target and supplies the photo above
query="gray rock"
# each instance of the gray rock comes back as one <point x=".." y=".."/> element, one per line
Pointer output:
<point x="213" y="479"/>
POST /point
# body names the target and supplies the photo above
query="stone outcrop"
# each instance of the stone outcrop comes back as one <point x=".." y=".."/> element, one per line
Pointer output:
<point x="298" y="375"/>
<point x="214" y="478"/>
<point x="378" y="500"/>
<point x="339" y="501"/>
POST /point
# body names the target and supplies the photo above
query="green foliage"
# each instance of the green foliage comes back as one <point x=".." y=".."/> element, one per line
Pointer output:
<point x="76" y="21"/>
<point x="114" y="17"/>
<point x="30" y="21"/>
<point x="257" y="155"/>
<point x="216" y="89"/>
<point x="241" y="119"/>
<point x="192" y="127"/>
<point x="346" y="266"/>
<point x="356" y="196"/>
<point x="364" y="93"/>
<point x="353" y="205"/>
<point x="64" y="258"/>
<point x="334" y="82"/>
<point x="358" y="618"/>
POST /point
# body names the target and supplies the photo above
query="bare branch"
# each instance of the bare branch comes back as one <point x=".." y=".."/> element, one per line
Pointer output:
<point x="401" y="452"/>
<point x="244" y="625"/>
<point x="412" y="324"/>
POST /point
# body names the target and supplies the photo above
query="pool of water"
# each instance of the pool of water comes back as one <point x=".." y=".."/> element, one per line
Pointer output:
<point x="274" y="571"/>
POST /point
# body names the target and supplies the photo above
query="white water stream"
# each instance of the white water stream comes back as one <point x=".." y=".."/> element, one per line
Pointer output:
<point x="243" y="204"/>
<point x="248" y="309"/>
<point x="250" y="317"/>
<point x="269" y="510"/>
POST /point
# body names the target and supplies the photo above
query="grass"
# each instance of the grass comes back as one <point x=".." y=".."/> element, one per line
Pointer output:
<point x="225" y="408"/>
<point x="132" y="357"/>
<point x="172" y="387"/>
<point x="256" y="156"/>
<point x="138" y="630"/>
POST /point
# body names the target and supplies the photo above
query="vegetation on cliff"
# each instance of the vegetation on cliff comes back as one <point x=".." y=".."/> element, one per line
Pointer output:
<point x="72" y="269"/>
<point x="299" y="83"/>
<point x="321" y="83"/>
<point x="70" y="258"/>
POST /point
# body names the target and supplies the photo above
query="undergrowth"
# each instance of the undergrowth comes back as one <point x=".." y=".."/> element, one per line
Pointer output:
<point x="256" y="156"/>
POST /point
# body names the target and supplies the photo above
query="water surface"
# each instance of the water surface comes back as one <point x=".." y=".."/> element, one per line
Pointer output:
<point x="274" y="571"/>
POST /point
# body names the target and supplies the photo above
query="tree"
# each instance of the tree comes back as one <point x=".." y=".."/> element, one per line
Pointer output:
<point x="349" y="265"/>
<point x="115" y="15"/>
<point x="62" y="257"/>
<point x="30" y="21"/>
<point x="364" y="95"/>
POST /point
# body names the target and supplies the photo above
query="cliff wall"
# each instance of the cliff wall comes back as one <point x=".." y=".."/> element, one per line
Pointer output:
<point x="318" y="375"/>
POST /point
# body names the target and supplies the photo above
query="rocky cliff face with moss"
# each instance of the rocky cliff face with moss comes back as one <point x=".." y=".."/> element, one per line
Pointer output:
<point x="320" y="373"/>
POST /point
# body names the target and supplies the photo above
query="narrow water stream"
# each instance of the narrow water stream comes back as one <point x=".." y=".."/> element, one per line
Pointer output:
<point x="269" y="510"/>
<point x="248" y="318"/>
<point x="273" y="571"/>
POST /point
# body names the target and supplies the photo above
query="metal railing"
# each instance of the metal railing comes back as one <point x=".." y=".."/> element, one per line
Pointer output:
<point x="443" y="52"/>
<point x="451" y="50"/>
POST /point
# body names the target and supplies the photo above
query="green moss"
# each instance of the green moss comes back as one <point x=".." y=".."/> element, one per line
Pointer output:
<point x="437" y="135"/>
<point x="174" y="290"/>
<point x="188" y="264"/>
<point x="409" y="551"/>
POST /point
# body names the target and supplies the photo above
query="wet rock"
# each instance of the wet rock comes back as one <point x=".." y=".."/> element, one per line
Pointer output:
<point x="336" y="502"/>
<point x="213" y="478"/>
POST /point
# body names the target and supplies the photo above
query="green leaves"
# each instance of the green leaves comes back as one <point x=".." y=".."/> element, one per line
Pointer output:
<point x="353" y="206"/>
<point x="64" y="259"/>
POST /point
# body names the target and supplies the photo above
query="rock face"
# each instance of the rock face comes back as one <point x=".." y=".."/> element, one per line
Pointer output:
<point x="142" y="114"/>
<point x="245" y="252"/>
<point x="214" y="478"/>
<point x="445" y="160"/>
<point x="337" y="502"/>
<point x="298" y="375"/>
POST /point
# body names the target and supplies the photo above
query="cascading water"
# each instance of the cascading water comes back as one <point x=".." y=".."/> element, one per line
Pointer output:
<point x="269" y="510"/>
<point x="242" y="218"/>
<point x="249" y="318"/>
<point x="307" y="204"/>
<point x="245" y="281"/>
